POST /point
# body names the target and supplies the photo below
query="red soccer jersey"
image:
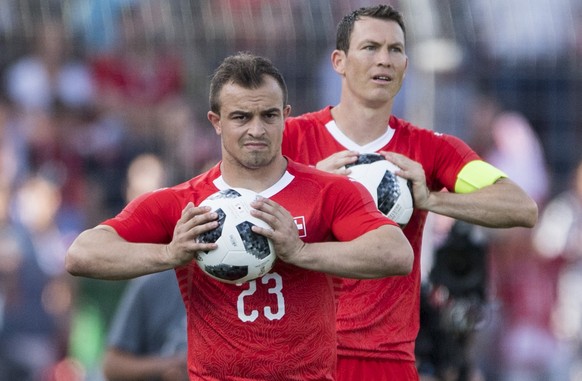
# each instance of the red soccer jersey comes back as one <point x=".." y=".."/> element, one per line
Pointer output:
<point x="278" y="327"/>
<point x="380" y="318"/>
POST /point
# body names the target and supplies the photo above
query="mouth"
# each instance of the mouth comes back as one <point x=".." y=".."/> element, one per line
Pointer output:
<point x="382" y="78"/>
<point x="255" y="145"/>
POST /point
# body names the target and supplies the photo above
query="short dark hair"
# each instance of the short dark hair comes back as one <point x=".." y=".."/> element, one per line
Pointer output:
<point x="346" y="26"/>
<point x="246" y="70"/>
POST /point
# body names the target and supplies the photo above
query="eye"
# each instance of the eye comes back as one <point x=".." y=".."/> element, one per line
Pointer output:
<point x="271" y="115"/>
<point x="370" y="47"/>
<point x="239" y="117"/>
<point x="396" y="49"/>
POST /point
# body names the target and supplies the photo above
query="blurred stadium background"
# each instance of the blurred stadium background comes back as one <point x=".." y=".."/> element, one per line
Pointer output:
<point x="136" y="79"/>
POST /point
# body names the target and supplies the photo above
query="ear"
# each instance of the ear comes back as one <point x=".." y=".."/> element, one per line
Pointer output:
<point x="286" y="111"/>
<point x="338" y="59"/>
<point x="214" y="118"/>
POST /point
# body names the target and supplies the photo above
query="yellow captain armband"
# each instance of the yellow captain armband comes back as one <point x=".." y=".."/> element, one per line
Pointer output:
<point x="476" y="175"/>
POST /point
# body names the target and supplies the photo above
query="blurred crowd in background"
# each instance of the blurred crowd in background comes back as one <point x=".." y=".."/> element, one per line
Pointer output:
<point x="97" y="94"/>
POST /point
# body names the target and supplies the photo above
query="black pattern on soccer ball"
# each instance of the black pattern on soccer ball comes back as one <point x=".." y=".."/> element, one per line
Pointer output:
<point x="241" y="254"/>
<point x="388" y="192"/>
<point x="366" y="158"/>
<point x="227" y="193"/>
<point x="254" y="243"/>
<point x="213" y="235"/>
<point x="227" y="272"/>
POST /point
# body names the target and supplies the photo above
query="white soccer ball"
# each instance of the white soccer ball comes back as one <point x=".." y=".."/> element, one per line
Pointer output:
<point x="392" y="193"/>
<point x="242" y="255"/>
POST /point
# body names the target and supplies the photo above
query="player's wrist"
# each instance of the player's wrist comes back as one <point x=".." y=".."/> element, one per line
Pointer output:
<point x="426" y="200"/>
<point x="167" y="257"/>
<point x="297" y="256"/>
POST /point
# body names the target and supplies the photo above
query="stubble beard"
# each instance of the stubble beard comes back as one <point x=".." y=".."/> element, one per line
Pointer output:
<point x="252" y="160"/>
<point x="256" y="160"/>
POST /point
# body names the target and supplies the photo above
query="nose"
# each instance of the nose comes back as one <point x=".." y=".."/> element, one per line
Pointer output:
<point x="384" y="58"/>
<point x="256" y="127"/>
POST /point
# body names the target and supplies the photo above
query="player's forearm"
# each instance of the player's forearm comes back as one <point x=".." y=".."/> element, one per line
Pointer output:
<point x="100" y="253"/>
<point x="123" y="366"/>
<point x="501" y="205"/>
<point x="379" y="253"/>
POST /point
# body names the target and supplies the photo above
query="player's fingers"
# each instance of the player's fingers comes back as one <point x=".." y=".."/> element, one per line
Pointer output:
<point x="268" y="206"/>
<point x="336" y="163"/>
<point x="269" y="233"/>
<point x="343" y="171"/>
<point x="270" y="219"/>
<point x="204" y="227"/>
<point x="199" y="219"/>
<point x="408" y="168"/>
<point x="201" y="246"/>
<point x="266" y="210"/>
<point x="399" y="160"/>
<point x="341" y="159"/>
<point x="345" y="157"/>
<point x="190" y="211"/>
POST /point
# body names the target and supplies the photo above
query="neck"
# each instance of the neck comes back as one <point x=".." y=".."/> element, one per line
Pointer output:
<point x="256" y="179"/>
<point x="360" y="123"/>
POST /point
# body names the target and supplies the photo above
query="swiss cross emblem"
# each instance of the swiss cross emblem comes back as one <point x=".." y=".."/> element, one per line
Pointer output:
<point x="301" y="228"/>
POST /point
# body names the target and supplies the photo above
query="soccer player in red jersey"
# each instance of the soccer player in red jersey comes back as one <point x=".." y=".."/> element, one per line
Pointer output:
<point x="282" y="325"/>
<point x="378" y="320"/>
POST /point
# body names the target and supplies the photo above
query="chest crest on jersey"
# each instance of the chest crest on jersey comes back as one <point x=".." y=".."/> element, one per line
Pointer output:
<point x="301" y="227"/>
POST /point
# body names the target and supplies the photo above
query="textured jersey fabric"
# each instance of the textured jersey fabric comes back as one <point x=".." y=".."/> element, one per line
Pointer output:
<point x="379" y="318"/>
<point x="280" y="326"/>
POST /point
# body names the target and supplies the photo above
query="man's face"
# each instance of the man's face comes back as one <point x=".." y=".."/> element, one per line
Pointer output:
<point x="251" y="123"/>
<point x="375" y="64"/>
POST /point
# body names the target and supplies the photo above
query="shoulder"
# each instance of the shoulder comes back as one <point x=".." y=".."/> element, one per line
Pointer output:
<point x="303" y="134"/>
<point x="171" y="200"/>
<point x="415" y="135"/>
<point x="301" y="170"/>
<point x="320" y="179"/>
<point x="196" y="189"/>
<point x="320" y="117"/>
<point x="404" y="126"/>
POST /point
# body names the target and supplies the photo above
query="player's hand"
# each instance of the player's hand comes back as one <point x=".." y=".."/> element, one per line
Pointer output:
<point x="283" y="233"/>
<point x="193" y="222"/>
<point x="336" y="163"/>
<point x="413" y="171"/>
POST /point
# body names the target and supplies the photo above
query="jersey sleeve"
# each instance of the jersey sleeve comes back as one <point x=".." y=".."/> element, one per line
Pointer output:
<point x="355" y="211"/>
<point x="476" y="175"/>
<point x="150" y="218"/>
<point x="451" y="156"/>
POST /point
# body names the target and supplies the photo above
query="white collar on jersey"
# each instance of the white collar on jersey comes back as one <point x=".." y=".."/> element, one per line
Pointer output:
<point x="371" y="147"/>
<point x="267" y="193"/>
